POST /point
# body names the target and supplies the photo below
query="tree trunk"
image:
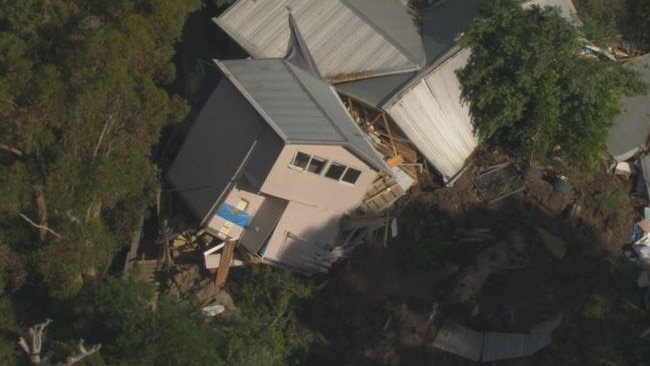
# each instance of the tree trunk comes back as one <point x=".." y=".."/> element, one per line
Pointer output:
<point x="41" y="206"/>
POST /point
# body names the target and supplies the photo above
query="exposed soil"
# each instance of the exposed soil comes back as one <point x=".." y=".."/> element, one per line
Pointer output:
<point x="376" y="310"/>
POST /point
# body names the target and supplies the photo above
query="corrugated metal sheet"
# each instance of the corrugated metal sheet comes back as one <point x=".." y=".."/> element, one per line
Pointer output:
<point x="345" y="44"/>
<point x="494" y="346"/>
<point x="299" y="107"/>
<point x="504" y="346"/>
<point x="432" y="115"/>
<point x="631" y="128"/>
<point x="263" y="224"/>
<point x="441" y="24"/>
<point x="459" y="340"/>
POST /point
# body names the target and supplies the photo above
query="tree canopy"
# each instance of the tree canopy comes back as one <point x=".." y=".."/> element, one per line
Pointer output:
<point x="82" y="101"/>
<point x="530" y="91"/>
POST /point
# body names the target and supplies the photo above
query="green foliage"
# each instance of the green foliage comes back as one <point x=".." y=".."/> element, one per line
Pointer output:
<point x="268" y="332"/>
<point x="121" y="316"/>
<point x="602" y="19"/>
<point x="638" y="24"/>
<point x="615" y="204"/>
<point x="605" y="21"/>
<point x="599" y="306"/>
<point x="82" y="100"/>
<point x="8" y="333"/>
<point x="223" y="3"/>
<point x="531" y="93"/>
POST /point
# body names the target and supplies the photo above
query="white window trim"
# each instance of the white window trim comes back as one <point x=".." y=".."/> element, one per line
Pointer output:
<point x="311" y="157"/>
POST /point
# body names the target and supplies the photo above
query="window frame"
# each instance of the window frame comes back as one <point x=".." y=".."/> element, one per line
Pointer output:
<point x="326" y="163"/>
<point x="345" y="170"/>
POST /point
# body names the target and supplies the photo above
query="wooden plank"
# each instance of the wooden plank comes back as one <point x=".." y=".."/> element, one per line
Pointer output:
<point x="225" y="261"/>
<point x="390" y="134"/>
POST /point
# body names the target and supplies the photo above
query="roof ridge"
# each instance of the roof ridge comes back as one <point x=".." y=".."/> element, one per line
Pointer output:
<point x="290" y="67"/>
<point x="224" y="68"/>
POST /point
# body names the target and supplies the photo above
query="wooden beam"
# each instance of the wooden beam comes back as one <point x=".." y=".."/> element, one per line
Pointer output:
<point x="224" y="263"/>
<point x="390" y="134"/>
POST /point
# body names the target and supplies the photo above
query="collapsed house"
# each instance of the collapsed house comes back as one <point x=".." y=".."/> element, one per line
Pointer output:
<point x="385" y="55"/>
<point x="274" y="162"/>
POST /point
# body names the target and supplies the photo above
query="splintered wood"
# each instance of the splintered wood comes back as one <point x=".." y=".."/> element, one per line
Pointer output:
<point x="386" y="137"/>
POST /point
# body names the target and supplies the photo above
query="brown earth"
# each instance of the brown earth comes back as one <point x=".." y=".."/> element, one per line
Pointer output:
<point x="377" y="306"/>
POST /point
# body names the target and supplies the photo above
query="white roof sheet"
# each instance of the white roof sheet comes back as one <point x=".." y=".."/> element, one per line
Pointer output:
<point x="432" y="115"/>
<point x="348" y="39"/>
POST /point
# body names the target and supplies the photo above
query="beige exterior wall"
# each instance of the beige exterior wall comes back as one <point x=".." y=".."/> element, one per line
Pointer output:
<point x="234" y="197"/>
<point x="312" y="230"/>
<point x="318" y="190"/>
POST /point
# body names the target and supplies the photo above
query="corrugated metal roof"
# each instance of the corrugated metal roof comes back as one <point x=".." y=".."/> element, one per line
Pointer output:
<point x="432" y="114"/>
<point x="504" y="346"/>
<point x="631" y="128"/>
<point x="299" y="107"/>
<point x="440" y="26"/>
<point x="374" y="91"/>
<point x="348" y="39"/>
<point x="265" y="220"/>
<point x="459" y="340"/>
<point x="493" y="346"/>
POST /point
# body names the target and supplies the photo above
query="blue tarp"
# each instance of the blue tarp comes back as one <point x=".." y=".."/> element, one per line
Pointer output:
<point x="234" y="215"/>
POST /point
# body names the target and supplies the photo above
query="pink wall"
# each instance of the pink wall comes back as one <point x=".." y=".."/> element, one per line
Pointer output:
<point x="315" y="228"/>
<point x="318" y="190"/>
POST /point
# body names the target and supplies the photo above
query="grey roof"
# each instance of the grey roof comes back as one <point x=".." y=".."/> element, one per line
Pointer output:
<point x="441" y="25"/>
<point x="443" y="22"/>
<point x="300" y="108"/>
<point x="375" y="91"/>
<point x="632" y="127"/>
<point x="228" y="138"/>
<point x="348" y="39"/>
<point x="395" y="21"/>
<point x="265" y="220"/>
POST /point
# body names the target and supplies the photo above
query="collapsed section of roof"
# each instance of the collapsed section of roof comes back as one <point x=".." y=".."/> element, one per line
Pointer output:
<point x="440" y="26"/>
<point x="300" y="108"/>
<point x="631" y="129"/>
<point x="431" y="113"/>
<point x="348" y="39"/>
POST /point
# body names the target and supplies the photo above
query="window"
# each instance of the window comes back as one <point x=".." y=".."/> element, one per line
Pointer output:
<point x="308" y="163"/>
<point x="343" y="173"/>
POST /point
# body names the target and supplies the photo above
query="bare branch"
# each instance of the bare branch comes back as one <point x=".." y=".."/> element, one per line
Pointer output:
<point x="39" y="226"/>
<point x="83" y="353"/>
<point x="12" y="150"/>
<point x="23" y="344"/>
<point x="36" y="334"/>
